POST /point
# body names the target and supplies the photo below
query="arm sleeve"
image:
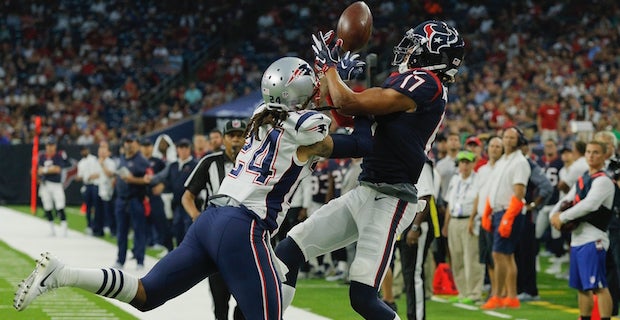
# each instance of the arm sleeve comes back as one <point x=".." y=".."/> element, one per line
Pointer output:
<point x="355" y="145"/>
<point x="601" y="194"/>
<point x="161" y="176"/>
<point x="521" y="173"/>
<point x="197" y="180"/>
<point x="541" y="182"/>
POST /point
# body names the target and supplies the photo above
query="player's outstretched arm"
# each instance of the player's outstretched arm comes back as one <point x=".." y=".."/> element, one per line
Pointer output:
<point x="355" y="145"/>
<point x="372" y="101"/>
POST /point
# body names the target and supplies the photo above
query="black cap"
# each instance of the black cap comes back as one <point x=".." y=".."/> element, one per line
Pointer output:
<point x="50" y="140"/>
<point x="565" y="149"/>
<point x="184" y="143"/>
<point x="145" y="141"/>
<point x="130" y="137"/>
<point x="235" y="125"/>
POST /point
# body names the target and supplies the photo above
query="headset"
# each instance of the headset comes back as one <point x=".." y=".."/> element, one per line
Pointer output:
<point x="522" y="139"/>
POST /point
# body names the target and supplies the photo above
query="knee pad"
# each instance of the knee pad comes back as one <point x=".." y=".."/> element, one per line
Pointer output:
<point x="61" y="214"/>
<point x="288" y="251"/>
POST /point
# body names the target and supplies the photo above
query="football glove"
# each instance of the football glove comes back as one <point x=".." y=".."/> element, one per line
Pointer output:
<point x="350" y="67"/>
<point x="325" y="57"/>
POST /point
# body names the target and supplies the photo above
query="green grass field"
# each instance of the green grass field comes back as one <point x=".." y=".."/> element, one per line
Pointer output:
<point x="558" y="301"/>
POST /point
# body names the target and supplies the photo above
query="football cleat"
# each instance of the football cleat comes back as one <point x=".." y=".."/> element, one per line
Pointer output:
<point x="339" y="275"/>
<point x="40" y="281"/>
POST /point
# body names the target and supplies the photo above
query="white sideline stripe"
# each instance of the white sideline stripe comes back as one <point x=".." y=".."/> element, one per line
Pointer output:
<point x="468" y="307"/>
<point x="465" y="306"/>
<point x="438" y="299"/>
<point x="29" y="235"/>
<point x="497" y="314"/>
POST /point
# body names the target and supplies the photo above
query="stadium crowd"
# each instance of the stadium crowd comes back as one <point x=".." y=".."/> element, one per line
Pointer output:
<point x="88" y="68"/>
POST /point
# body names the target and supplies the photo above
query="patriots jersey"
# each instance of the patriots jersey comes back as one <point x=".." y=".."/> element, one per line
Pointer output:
<point x="58" y="159"/>
<point x="552" y="167"/>
<point x="403" y="139"/>
<point x="267" y="170"/>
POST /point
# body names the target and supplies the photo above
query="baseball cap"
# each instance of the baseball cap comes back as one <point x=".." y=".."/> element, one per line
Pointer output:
<point x="565" y="149"/>
<point x="235" y="125"/>
<point x="130" y="137"/>
<point x="473" y="140"/>
<point x="50" y="140"/>
<point x="184" y="143"/>
<point x="466" y="155"/>
<point x="144" y="141"/>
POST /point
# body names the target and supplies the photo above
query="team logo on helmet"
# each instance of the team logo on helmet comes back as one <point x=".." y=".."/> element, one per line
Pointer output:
<point x="439" y="39"/>
<point x="302" y="70"/>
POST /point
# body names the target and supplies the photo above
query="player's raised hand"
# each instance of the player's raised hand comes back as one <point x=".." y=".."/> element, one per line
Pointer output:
<point x="350" y="67"/>
<point x="325" y="57"/>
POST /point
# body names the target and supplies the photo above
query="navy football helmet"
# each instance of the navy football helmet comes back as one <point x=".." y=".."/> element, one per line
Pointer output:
<point x="432" y="45"/>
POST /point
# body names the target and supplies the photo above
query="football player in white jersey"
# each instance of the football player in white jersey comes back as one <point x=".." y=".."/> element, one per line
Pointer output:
<point x="231" y="236"/>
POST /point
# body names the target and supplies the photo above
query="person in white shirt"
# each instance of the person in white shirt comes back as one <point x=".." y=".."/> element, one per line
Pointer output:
<point x="589" y="216"/>
<point x="88" y="171"/>
<point x="495" y="149"/>
<point x="105" y="183"/>
<point x="505" y="202"/>
<point x="467" y="271"/>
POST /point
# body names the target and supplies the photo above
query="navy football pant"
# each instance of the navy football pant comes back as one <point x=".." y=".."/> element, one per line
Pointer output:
<point x="228" y="240"/>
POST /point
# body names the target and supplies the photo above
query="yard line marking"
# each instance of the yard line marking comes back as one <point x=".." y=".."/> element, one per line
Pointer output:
<point x="465" y="306"/>
<point x="438" y="299"/>
<point x="497" y="314"/>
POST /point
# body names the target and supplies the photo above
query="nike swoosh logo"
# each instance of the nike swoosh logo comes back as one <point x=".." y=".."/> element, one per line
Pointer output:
<point x="47" y="276"/>
<point x="380" y="197"/>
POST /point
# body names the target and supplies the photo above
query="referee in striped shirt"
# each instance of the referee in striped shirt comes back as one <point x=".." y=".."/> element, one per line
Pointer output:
<point x="207" y="177"/>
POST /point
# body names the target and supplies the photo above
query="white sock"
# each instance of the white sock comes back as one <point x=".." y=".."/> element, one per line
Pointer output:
<point x="342" y="266"/>
<point x="288" y="293"/>
<point x="110" y="282"/>
<point x="52" y="228"/>
<point x="63" y="227"/>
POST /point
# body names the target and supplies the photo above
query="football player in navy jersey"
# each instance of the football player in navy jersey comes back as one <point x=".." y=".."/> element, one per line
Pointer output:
<point x="232" y="236"/>
<point x="51" y="190"/>
<point x="408" y="108"/>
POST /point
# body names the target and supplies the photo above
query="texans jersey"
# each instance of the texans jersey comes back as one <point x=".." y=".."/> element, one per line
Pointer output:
<point x="336" y="168"/>
<point x="267" y="171"/>
<point x="402" y="139"/>
<point x="552" y="167"/>
<point x="58" y="159"/>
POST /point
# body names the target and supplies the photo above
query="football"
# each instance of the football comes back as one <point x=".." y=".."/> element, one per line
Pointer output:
<point x="355" y="26"/>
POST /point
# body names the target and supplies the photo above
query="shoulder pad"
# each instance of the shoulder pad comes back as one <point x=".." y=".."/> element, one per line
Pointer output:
<point x="311" y="127"/>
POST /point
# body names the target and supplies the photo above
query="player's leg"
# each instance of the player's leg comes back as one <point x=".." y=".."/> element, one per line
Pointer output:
<point x="58" y="196"/>
<point x="221" y="295"/>
<point x="179" y="270"/>
<point x="48" y="205"/>
<point x="247" y="264"/>
<point x="138" y="222"/>
<point x="378" y="221"/>
<point x="122" y="229"/>
<point x="329" y="228"/>
<point x="50" y="273"/>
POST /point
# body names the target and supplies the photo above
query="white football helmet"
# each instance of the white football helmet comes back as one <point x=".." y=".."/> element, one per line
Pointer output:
<point x="289" y="84"/>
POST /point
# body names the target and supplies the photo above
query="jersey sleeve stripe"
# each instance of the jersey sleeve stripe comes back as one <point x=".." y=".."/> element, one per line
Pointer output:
<point x="303" y="118"/>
